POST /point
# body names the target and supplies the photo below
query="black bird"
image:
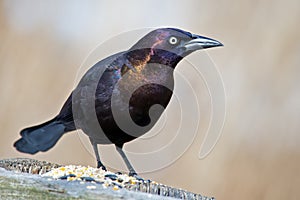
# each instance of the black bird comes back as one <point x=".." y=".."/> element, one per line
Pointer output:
<point x="113" y="102"/>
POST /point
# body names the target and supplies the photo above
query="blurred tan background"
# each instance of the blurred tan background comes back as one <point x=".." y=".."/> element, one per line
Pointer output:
<point x="43" y="44"/>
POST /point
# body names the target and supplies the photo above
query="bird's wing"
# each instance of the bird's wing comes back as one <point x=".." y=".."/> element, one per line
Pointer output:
<point x="97" y="83"/>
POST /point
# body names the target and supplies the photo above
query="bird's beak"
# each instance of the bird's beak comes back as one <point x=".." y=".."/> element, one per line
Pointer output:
<point x="200" y="42"/>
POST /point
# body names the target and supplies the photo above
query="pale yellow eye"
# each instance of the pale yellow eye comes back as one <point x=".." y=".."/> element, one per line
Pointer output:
<point x="173" y="40"/>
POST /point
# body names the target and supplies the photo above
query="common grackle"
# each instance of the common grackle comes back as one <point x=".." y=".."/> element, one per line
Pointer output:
<point x="113" y="101"/>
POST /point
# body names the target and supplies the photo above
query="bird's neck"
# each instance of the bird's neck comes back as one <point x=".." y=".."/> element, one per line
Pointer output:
<point x="154" y="56"/>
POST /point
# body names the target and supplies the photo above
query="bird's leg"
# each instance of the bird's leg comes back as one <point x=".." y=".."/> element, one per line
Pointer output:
<point x="99" y="163"/>
<point x="124" y="157"/>
<point x="129" y="166"/>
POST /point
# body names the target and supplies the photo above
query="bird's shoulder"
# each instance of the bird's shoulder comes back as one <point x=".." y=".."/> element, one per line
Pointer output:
<point x="104" y="67"/>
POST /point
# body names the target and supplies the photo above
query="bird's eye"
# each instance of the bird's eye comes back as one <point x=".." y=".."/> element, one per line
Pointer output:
<point x="173" y="40"/>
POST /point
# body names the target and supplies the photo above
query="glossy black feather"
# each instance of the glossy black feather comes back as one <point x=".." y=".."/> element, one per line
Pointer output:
<point x="149" y="62"/>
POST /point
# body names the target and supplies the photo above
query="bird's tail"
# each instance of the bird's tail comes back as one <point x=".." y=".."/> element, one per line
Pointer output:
<point x="41" y="137"/>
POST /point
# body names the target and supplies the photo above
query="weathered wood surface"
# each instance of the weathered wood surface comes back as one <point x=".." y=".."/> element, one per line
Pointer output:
<point x="30" y="185"/>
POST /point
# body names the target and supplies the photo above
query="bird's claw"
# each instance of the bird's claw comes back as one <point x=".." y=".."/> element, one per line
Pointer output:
<point x="100" y="165"/>
<point x="136" y="176"/>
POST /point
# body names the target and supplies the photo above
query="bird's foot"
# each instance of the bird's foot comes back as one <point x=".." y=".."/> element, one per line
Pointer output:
<point x="136" y="176"/>
<point x="100" y="165"/>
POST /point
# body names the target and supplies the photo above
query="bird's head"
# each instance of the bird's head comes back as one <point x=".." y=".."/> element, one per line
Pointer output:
<point x="166" y="43"/>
